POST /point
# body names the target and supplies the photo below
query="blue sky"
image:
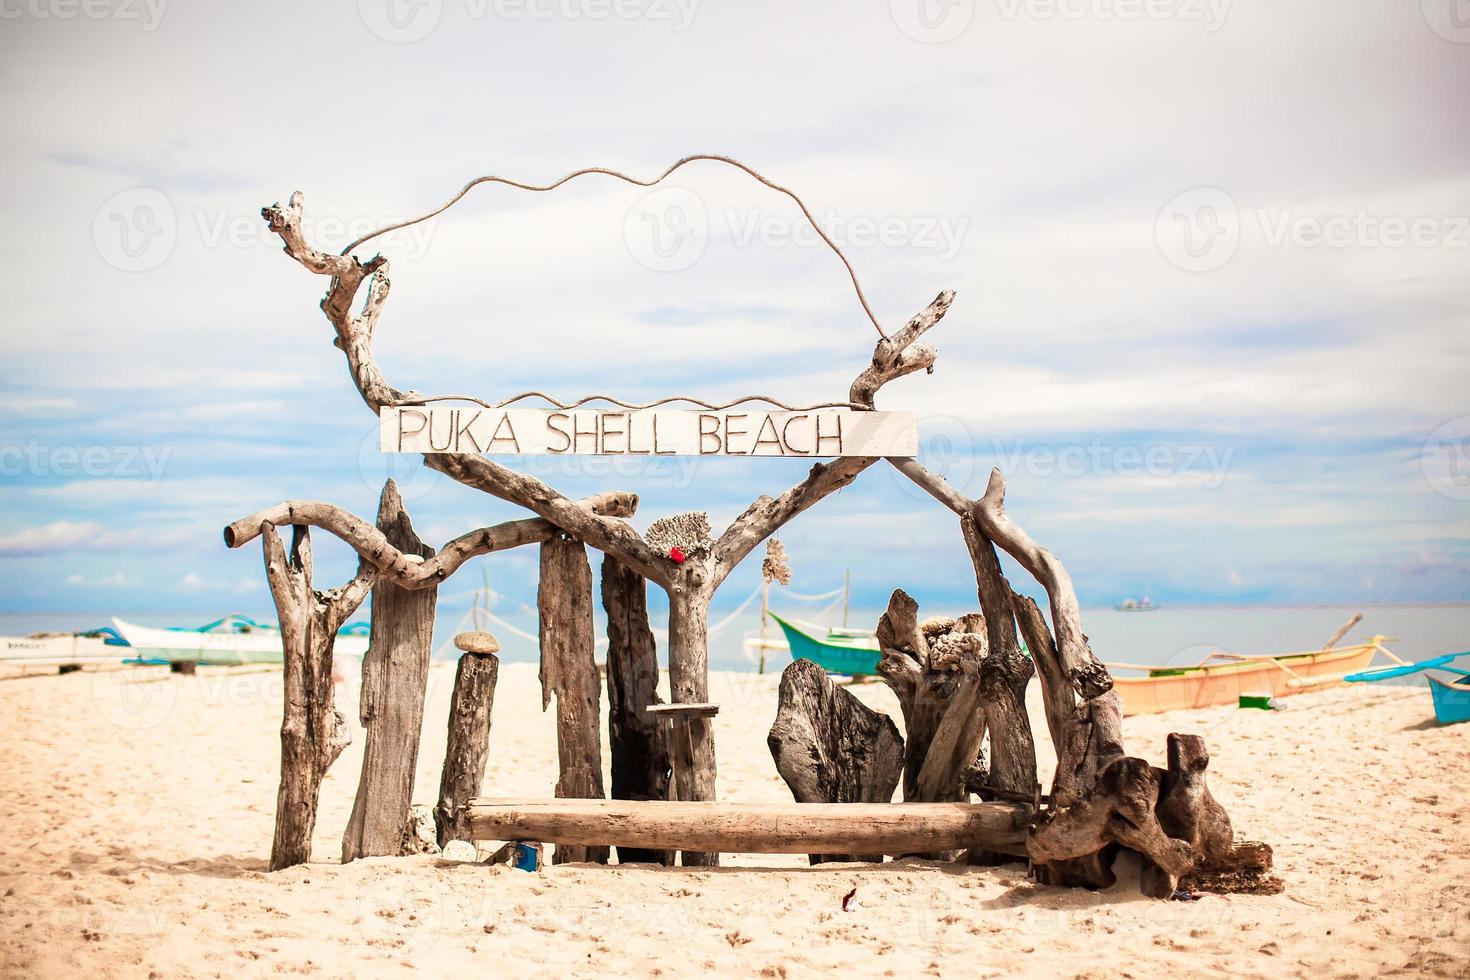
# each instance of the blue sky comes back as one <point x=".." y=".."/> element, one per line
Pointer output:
<point x="1210" y="264"/>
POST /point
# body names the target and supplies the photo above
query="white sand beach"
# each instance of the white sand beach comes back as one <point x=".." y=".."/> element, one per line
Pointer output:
<point x="139" y="809"/>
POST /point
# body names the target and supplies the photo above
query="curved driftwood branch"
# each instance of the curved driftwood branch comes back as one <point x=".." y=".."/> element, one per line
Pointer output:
<point x="896" y="356"/>
<point x="403" y="570"/>
<point x="1092" y="735"/>
<point x="766" y="515"/>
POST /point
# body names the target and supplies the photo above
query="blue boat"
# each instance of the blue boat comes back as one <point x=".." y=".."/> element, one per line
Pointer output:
<point x="1451" y="698"/>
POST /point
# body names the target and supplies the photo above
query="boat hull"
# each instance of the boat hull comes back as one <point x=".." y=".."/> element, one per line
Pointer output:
<point x="58" y="650"/>
<point x="1451" y="704"/>
<point x="855" y="656"/>
<point x="1202" y="687"/>
<point x="186" y="646"/>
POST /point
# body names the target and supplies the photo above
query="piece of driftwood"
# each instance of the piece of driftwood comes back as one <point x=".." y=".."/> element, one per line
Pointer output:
<point x="691" y="585"/>
<point x="1246" y="870"/>
<point x="569" y="672"/>
<point x="829" y="747"/>
<point x="640" y="757"/>
<point x="468" y="745"/>
<point x="415" y="571"/>
<point x="313" y="731"/>
<point x="1004" y="673"/>
<point x="758" y="828"/>
<point x="395" y="676"/>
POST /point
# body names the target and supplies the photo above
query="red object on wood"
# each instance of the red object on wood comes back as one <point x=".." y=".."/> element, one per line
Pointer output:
<point x="676" y="554"/>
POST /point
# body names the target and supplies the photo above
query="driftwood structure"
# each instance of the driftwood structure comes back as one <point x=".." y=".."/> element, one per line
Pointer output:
<point x="468" y="746"/>
<point x="395" y="677"/>
<point x="832" y="748"/>
<point x="313" y="731"/>
<point x="640" y="753"/>
<point x="961" y="683"/>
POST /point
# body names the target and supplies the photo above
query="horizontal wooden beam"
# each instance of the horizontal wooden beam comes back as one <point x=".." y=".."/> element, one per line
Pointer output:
<point x="759" y="828"/>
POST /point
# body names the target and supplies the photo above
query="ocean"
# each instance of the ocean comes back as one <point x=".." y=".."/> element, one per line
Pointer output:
<point x="1168" y="635"/>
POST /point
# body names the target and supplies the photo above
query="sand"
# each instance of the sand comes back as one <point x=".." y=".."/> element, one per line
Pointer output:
<point x="138" y="811"/>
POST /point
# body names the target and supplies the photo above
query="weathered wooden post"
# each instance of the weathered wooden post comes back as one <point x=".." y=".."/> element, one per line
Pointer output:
<point x="313" y="731"/>
<point x="569" y="671"/>
<point x="395" y="675"/>
<point x="832" y="748"/>
<point x="468" y="745"/>
<point x="640" y="754"/>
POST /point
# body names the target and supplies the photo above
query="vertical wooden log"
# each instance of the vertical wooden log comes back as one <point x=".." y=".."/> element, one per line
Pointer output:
<point x="469" y="743"/>
<point x="829" y="747"/>
<point x="569" y="670"/>
<point x="1004" y="674"/>
<point x="694" y="748"/>
<point x="313" y="731"/>
<point x="395" y="674"/>
<point x="640" y="757"/>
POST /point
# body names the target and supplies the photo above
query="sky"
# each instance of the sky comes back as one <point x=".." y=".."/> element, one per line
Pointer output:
<point x="1210" y="260"/>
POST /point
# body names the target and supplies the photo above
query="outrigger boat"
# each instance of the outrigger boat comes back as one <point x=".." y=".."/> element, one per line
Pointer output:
<point x="839" y="651"/>
<point x="231" y="641"/>
<point x="1451" y="698"/>
<point x="1221" y="678"/>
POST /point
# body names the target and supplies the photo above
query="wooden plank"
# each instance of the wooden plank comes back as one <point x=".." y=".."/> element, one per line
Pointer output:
<point x="679" y="710"/>
<point x="760" y="828"/>
<point x="746" y="431"/>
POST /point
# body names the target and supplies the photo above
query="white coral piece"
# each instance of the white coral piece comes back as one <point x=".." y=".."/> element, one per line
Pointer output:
<point x="689" y="532"/>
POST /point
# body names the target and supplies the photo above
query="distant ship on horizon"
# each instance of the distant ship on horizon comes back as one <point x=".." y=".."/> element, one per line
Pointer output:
<point x="1136" y="605"/>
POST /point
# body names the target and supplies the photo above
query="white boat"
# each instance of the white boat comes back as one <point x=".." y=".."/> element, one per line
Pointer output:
<point x="232" y="640"/>
<point x="58" y="650"/>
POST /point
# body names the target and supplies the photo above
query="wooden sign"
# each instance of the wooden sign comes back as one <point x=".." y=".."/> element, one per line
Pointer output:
<point x="647" y="432"/>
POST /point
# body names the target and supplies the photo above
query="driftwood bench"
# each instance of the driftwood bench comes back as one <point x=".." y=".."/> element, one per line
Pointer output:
<point x="760" y="828"/>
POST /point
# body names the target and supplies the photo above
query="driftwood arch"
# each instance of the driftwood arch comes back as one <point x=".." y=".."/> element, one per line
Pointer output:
<point x="956" y="680"/>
